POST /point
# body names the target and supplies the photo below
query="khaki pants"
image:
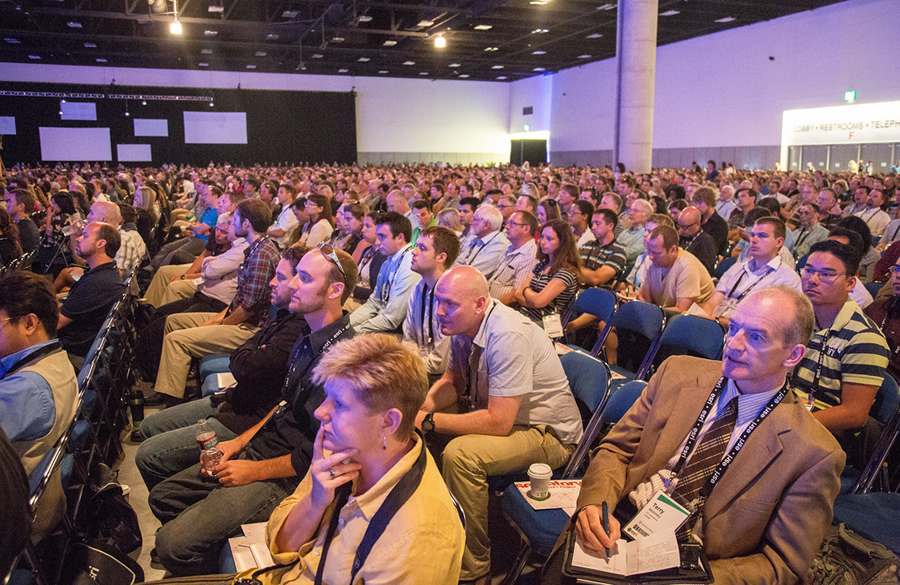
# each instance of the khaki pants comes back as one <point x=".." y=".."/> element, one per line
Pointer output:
<point x="467" y="462"/>
<point x="160" y="282"/>
<point x="185" y="340"/>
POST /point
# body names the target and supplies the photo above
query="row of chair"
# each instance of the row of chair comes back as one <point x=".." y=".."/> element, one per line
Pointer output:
<point x="93" y="436"/>
<point x="22" y="262"/>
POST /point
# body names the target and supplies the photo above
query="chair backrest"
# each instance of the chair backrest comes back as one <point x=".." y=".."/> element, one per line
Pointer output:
<point x="874" y="287"/>
<point x="646" y="320"/>
<point x="621" y="400"/>
<point x="589" y="379"/>
<point x="698" y="336"/>
<point x="598" y="302"/>
<point x="886" y="410"/>
<point x="723" y="266"/>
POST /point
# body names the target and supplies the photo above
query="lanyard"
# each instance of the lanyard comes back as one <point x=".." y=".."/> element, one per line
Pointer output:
<point x="747" y="290"/>
<point x="35" y="355"/>
<point x="470" y="259"/>
<point x="390" y="283"/>
<point x="818" y="375"/>
<point x="428" y="296"/>
<point x="802" y="237"/>
<point x="729" y="457"/>
<point x="470" y="396"/>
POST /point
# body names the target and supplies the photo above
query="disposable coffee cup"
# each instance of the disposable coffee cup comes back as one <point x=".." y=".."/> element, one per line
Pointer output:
<point x="539" y="474"/>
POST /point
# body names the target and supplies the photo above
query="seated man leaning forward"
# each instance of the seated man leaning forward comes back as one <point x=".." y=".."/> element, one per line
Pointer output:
<point x="368" y="461"/>
<point x="510" y="401"/>
<point x="764" y="519"/>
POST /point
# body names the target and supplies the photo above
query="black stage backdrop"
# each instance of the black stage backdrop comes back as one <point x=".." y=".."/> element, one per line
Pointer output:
<point x="282" y="126"/>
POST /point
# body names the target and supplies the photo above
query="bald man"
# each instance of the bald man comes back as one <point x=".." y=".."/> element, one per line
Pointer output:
<point x="503" y="403"/>
<point x="692" y="238"/>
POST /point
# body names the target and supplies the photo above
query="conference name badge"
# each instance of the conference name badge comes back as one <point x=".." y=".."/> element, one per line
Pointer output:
<point x="662" y="513"/>
<point x="553" y="325"/>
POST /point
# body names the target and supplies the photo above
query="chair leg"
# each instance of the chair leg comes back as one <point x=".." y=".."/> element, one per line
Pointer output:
<point x="518" y="563"/>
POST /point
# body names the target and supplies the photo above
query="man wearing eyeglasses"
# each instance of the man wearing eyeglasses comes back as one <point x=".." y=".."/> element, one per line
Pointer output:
<point x="885" y="312"/>
<point x="518" y="263"/>
<point x="696" y="241"/>
<point x="487" y="244"/>
<point x="846" y="358"/>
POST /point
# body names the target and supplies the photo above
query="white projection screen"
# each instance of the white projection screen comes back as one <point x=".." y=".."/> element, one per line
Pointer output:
<point x="75" y="144"/>
<point x="151" y="127"/>
<point x="86" y="111"/>
<point x="7" y="125"/>
<point x="133" y="153"/>
<point x="215" y="127"/>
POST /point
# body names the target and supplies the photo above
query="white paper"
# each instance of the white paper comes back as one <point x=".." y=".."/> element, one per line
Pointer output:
<point x="563" y="495"/>
<point x="653" y="553"/>
<point x="226" y="380"/>
<point x="251" y="551"/>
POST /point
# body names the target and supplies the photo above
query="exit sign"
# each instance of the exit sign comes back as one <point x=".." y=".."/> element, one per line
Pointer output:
<point x="849" y="96"/>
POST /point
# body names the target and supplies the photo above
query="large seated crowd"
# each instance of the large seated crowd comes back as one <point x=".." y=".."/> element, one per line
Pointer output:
<point x="305" y="279"/>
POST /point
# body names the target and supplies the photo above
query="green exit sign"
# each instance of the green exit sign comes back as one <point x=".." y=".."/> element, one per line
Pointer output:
<point x="849" y="96"/>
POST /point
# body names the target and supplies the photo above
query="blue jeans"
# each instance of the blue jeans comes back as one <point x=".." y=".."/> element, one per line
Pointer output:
<point x="170" y="443"/>
<point x="199" y="515"/>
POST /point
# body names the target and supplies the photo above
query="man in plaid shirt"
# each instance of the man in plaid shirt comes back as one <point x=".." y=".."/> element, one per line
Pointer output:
<point x="193" y="335"/>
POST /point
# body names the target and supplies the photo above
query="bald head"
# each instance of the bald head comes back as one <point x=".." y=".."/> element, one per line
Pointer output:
<point x="463" y="298"/>
<point x="689" y="221"/>
<point x="107" y="212"/>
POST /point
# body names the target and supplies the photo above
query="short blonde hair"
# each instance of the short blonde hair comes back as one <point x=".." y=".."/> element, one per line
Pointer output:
<point x="384" y="373"/>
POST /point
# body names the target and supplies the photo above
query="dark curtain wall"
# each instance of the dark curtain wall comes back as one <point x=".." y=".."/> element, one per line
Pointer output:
<point x="282" y="126"/>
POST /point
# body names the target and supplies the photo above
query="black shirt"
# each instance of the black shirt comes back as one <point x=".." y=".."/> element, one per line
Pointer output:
<point x="292" y="429"/>
<point x="89" y="300"/>
<point x="260" y="366"/>
<point x="703" y="247"/>
<point x="717" y="227"/>
<point x="29" y="235"/>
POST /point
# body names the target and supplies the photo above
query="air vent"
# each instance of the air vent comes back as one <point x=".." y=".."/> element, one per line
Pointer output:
<point x="527" y="110"/>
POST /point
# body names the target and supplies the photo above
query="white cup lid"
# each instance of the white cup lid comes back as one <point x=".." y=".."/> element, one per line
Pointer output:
<point x="540" y="470"/>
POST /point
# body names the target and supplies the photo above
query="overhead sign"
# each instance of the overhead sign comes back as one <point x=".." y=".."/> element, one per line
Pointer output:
<point x="856" y="124"/>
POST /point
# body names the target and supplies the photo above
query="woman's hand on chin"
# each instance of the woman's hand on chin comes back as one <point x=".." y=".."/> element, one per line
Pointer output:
<point x="330" y="472"/>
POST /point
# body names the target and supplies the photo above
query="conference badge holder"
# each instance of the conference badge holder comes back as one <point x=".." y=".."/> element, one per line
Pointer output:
<point x="553" y="325"/>
<point x="664" y="512"/>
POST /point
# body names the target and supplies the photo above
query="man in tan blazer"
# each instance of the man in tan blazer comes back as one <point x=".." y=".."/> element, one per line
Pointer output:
<point x="765" y="519"/>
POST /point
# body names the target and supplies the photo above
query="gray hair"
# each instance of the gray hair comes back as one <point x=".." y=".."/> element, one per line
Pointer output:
<point x="491" y="215"/>
<point x="798" y="328"/>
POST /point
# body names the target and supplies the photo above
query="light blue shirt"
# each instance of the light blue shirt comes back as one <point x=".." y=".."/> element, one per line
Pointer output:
<point x="386" y="308"/>
<point x="27" y="409"/>
<point x="632" y="240"/>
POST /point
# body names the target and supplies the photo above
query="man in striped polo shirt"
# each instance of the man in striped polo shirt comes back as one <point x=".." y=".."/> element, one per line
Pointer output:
<point x="839" y="385"/>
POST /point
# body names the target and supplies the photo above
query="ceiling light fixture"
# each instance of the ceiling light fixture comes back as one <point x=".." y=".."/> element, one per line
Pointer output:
<point x="290" y="14"/>
<point x="206" y="51"/>
<point x="260" y="53"/>
<point x="670" y="13"/>
<point x="584" y="57"/>
<point x="440" y="42"/>
<point x="317" y="55"/>
<point x="454" y="65"/>
<point x="497" y="67"/>
<point x="210" y="33"/>
<point x="539" y="53"/>
<point x="464" y="75"/>
<point x="424" y="73"/>
<point x="364" y="59"/>
<point x="35" y="57"/>
<point x="606" y="7"/>
<point x="484" y="27"/>
<point x="540" y="31"/>
<point x="538" y="2"/>
<point x="727" y="19"/>
<point x="12" y="41"/>
<point x="73" y="24"/>
<point x="343" y="70"/>
<point x="390" y="43"/>
<point x="337" y="39"/>
<point x="203" y="64"/>
<point x="175" y="26"/>
<point x="364" y="18"/>
<point x="424" y="23"/>
<point x="538" y="69"/>
<point x="251" y="66"/>
<point x="491" y="49"/>
<point x="594" y="36"/>
<point x="271" y="37"/>
<point x="216" y="6"/>
<point x="501" y="78"/>
<point x="409" y="62"/>
<point x="90" y="45"/>
<point x="101" y="60"/>
<point x="383" y="72"/>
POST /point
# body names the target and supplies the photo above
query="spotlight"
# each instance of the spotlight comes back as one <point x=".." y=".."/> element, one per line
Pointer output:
<point x="440" y="42"/>
<point x="175" y="27"/>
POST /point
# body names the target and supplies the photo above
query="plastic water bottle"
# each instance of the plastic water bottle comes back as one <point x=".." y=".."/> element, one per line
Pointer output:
<point x="207" y="440"/>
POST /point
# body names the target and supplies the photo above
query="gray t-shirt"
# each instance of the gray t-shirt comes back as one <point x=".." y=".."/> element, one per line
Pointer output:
<point x="512" y="356"/>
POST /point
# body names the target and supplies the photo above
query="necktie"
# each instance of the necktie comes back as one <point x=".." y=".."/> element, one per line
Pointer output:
<point x="707" y="455"/>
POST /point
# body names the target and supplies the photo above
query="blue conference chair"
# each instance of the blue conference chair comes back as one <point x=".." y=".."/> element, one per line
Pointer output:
<point x="540" y="529"/>
<point x="691" y="335"/>
<point x="599" y="303"/>
<point x="644" y="323"/>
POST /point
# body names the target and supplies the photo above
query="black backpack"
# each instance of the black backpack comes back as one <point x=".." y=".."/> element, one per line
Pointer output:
<point x="108" y="519"/>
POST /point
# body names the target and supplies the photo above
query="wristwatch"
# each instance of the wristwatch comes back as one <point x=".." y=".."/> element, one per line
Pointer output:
<point x="428" y="423"/>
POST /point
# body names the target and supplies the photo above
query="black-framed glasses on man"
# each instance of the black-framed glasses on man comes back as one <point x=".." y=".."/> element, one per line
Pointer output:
<point x="512" y="223"/>
<point x="328" y="251"/>
<point x="826" y="276"/>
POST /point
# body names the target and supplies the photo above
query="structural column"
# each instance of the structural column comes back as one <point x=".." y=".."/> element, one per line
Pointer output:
<point x="635" y="82"/>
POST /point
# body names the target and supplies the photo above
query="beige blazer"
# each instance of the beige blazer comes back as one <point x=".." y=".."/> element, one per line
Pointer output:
<point x="765" y="520"/>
